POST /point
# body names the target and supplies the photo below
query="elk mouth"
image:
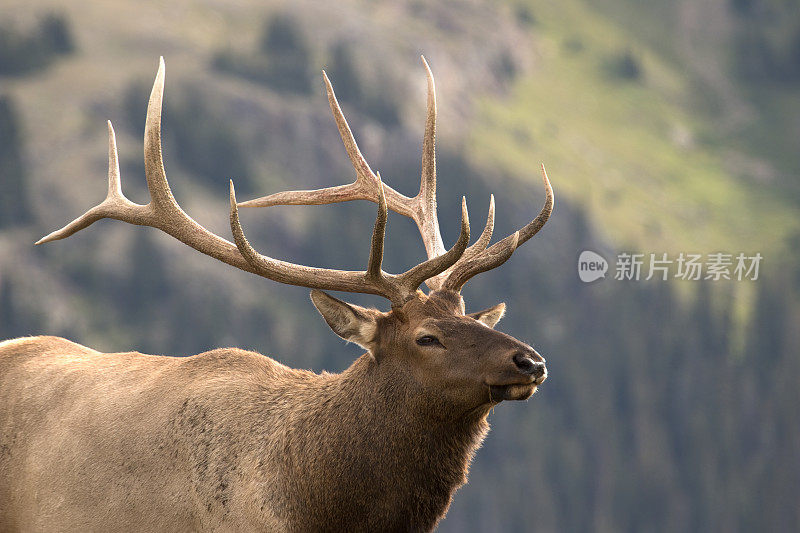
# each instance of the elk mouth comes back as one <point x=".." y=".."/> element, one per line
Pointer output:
<point x="512" y="391"/>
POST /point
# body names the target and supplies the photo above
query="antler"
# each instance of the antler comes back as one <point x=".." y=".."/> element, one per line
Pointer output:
<point x="421" y="208"/>
<point x="164" y="213"/>
<point x="501" y="251"/>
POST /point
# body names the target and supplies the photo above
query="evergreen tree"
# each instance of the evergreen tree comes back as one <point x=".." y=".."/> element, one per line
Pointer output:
<point x="289" y="55"/>
<point x="342" y="71"/>
<point x="26" y="51"/>
<point x="56" y="35"/>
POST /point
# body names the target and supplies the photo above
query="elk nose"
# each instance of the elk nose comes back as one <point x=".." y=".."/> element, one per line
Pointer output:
<point x="526" y="365"/>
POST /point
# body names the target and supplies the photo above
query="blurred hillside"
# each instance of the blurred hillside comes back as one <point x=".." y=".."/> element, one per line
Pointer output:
<point x="665" y="127"/>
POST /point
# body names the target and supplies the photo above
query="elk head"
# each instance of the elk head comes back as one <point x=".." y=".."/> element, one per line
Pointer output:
<point x="455" y="360"/>
<point x="428" y="339"/>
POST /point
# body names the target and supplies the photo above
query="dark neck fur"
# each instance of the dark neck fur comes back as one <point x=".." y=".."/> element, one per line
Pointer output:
<point x="371" y="454"/>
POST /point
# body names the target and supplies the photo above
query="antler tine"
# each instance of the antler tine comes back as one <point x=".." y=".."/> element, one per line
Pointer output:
<point x="426" y="199"/>
<point x="533" y="227"/>
<point x="378" y="236"/>
<point x="486" y="236"/>
<point x="114" y="202"/>
<point x="500" y="252"/>
<point x="114" y="180"/>
<point x="160" y="193"/>
<point x="328" y="195"/>
<point x="363" y="171"/>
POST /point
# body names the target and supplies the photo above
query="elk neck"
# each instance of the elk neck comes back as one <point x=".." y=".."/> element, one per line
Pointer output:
<point x="381" y="449"/>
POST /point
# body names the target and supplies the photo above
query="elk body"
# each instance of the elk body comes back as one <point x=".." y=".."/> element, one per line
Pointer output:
<point x="230" y="440"/>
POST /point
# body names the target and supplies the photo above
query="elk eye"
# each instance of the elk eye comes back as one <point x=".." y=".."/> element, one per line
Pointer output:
<point x="428" y="340"/>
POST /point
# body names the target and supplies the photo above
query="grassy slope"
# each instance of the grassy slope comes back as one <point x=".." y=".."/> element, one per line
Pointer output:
<point x="650" y="168"/>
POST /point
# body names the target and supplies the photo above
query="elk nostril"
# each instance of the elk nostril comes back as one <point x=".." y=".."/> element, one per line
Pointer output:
<point x="524" y="363"/>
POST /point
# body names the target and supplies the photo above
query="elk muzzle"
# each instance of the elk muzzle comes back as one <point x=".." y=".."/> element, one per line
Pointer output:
<point x="526" y="365"/>
<point x="530" y="372"/>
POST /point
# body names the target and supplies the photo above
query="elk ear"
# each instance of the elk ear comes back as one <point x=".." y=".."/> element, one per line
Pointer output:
<point x="490" y="317"/>
<point x="351" y="322"/>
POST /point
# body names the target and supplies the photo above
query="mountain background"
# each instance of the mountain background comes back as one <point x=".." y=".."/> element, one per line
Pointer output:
<point x="666" y="127"/>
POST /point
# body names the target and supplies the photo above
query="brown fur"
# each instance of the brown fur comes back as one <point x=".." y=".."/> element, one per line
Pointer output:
<point x="230" y="440"/>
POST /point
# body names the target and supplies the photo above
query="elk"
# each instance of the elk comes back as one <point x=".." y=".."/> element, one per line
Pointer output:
<point x="231" y="440"/>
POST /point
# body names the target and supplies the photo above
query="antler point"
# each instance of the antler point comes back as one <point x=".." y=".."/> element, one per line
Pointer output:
<point x="232" y="194"/>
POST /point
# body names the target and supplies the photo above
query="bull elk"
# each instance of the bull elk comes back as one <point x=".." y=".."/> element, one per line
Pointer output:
<point x="231" y="440"/>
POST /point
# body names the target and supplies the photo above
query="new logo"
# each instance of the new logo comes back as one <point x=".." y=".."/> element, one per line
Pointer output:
<point x="591" y="266"/>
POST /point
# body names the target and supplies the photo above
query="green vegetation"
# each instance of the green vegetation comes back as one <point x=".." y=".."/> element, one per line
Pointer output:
<point x="657" y="182"/>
